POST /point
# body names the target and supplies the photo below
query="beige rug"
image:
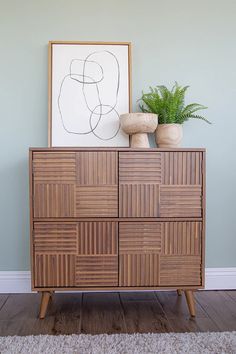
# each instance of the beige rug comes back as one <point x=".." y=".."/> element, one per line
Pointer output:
<point x="170" y="343"/>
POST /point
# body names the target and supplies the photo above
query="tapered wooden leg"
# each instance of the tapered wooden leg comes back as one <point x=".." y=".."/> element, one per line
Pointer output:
<point x="190" y="301"/>
<point x="44" y="303"/>
<point x="179" y="292"/>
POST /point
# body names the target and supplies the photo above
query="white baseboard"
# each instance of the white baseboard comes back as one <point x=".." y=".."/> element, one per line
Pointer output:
<point x="20" y="282"/>
<point x="220" y="278"/>
<point x="15" y="282"/>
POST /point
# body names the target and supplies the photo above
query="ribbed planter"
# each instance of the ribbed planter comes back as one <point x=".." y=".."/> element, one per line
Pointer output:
<point x="169" y="135"/>
<point x="138" y="125"/>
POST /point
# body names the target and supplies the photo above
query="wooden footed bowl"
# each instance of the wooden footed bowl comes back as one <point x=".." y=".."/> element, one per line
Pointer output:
<point x="138" y="125"/>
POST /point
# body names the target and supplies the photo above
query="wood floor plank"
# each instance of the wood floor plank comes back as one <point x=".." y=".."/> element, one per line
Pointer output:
<point x="231" y="293"/>
<point x="66" y="310"/>
<point x="176" y="310"/>
<point x="174" y="305"/>
<point x="220" y="308"/>
<point x="144" y="314"/>
<point x="20" y="315"/>
<point x="102" y="313"/>
<point x="20" y="307"/>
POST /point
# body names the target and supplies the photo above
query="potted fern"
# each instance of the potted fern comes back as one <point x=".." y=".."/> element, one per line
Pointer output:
<point x="172" y="112"/>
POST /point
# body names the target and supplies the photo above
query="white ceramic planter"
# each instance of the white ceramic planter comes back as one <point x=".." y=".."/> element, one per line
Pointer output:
<point x="169" y="135"/>
<point x="138" y="125"/>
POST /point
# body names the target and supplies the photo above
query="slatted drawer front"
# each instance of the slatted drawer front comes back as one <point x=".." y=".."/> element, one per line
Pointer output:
<point x="76" y="254"/>
<point x="160" y="253"/>
<point x="160" y="184"/>
<point x="75" y="184"/>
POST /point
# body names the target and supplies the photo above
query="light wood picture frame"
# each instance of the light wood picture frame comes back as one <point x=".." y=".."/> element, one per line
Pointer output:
<point x="89" y="86"/>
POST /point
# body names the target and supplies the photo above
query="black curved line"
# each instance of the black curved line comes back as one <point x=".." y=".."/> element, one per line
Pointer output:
<point x="99" y="137"/>
<point x="88" y="61"/>
<point x="118" y="75"/>
<point x="61" y="115"/>
<point x="99" y="99"/>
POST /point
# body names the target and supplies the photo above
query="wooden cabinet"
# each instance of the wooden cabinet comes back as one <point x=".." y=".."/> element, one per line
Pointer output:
<point x="117" y="219"/>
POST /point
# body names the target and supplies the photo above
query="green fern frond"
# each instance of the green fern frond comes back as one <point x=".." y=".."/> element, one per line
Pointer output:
<point x="200" y="117"/>
<point x="170" y="104"/>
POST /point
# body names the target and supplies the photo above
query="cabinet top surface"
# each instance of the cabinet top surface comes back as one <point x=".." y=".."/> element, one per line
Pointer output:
<point x="46" y="149"/>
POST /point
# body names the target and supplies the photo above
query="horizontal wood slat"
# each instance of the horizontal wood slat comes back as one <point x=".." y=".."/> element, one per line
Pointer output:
<point x="54" y="167"/>
<point x="92" y="201"/>
<point x="136" y="237"/>
<point x="96" y="168"/>
<point x="140" y="167"/>
<point x="180" y="270"/>
<point x="56" y="238"/>
<point x="97" y="271"/>
<point x="139" y="200"/>
<point x="180" y="201"/>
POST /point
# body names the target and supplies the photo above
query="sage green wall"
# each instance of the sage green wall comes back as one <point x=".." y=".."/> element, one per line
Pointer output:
<point x="190" y="41"/>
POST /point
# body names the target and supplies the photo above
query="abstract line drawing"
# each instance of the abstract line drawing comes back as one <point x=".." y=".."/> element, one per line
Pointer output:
<point x="88" y="97"/>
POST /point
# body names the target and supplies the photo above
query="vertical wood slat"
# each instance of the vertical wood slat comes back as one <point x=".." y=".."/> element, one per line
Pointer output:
<point x="139" y="200"/>
<point x="54" y="270"/>
<point x="98" y="238"/>
<point x="54" y="200"/>
<point x="96" y="168"/>
<point x="139" y="269"/>
<point x="181" y="238"/>
<point x="182" y="168"/>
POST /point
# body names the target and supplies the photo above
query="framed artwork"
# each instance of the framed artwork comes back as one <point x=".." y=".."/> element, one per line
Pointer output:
<point x="89" y="87"/>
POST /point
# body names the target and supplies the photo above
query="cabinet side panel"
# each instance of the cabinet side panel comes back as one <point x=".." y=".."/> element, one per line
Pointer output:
<point x="31" y="205"/>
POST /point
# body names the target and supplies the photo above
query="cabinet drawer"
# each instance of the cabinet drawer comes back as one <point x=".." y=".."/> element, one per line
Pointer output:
<point x="75" y="184"/>
<point x="160" y="184"/>
<point x="160" y="253"/>
<point x="83" y="254"/>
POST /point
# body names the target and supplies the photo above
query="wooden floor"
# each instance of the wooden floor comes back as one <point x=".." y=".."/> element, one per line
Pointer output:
<point x="127" y="312"/>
